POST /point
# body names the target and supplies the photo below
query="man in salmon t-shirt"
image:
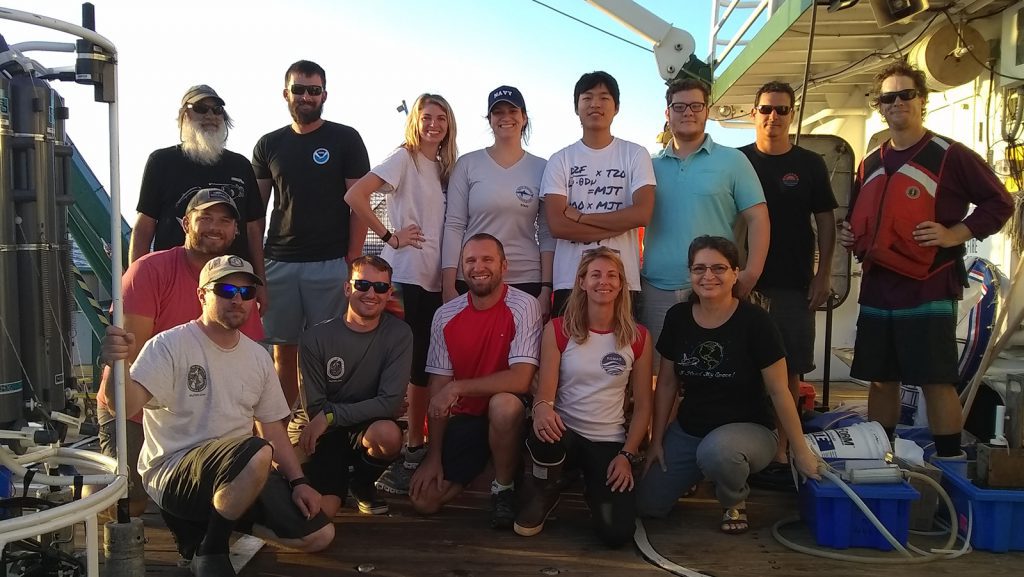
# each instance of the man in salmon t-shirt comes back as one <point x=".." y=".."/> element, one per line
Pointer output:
<point x="484" y="351"/>
<point x="159" y="293"/>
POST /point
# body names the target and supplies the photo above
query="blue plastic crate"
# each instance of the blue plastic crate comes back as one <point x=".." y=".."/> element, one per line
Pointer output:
<point x="837" y="522"/>
<point x="998" y="513"/>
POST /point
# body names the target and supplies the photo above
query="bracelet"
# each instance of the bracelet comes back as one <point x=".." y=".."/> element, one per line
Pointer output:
<point x="386" y="236"/>
<point x="547" y="285"/>
<point x="329" y="415"/>
<point x="543" y="402"/>
<point x="298" y="481"/>
<point x="578" y="218"/>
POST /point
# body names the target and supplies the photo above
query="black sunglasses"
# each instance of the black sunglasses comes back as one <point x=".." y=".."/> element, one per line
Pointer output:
<point x="680" y="107"/>
<point x="300" y="89"/>
<point x="890" y="97"/>
<point x="200" y="108"/>
<point x="363" y="285"/>
<point x="767" y="109"/>
<point x="228" y="291"/>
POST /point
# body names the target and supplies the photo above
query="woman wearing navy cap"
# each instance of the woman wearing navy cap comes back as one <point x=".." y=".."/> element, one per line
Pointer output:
<point x="496" y="190"/>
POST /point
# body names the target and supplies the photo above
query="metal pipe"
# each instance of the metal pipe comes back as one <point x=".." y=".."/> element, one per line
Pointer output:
<point x="743" y="30"/>
<point x="60" y="25"/>
<point x="44" y="46"/>
<point x="807" y="72"/>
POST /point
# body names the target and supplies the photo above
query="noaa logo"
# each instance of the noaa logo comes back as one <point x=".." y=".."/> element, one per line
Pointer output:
<point x="613" y="364"/>
<point x="197" y="380"/>
<point x="790" y="179"/>
<point x="235" y="261"/>
<point x="913" y="192"/>
<point x="321" y="156"/>
<point x="335" y="368"/>
<point x="525" y="194"/>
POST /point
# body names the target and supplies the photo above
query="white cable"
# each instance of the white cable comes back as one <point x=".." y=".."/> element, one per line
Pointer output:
<point x="650" y="554"/>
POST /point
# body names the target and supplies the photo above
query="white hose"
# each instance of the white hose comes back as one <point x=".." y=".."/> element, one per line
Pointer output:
<point x="20" y="471"/>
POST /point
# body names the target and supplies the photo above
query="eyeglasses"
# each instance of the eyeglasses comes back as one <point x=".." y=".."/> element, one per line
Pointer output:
<point x="228" y="291"/>
<point x="890" y="97"/>
<point x="716" y="269"/>
<point x="680" y="107"/>
<point x="767" y="109"/>
<point x="200" y="108"/>
<point x="300" y="89"/>
<point x="363" y="285"/>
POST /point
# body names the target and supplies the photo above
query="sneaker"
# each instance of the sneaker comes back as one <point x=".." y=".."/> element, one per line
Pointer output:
<point x="397" y="477"/>
<point x="503" y="511"/>
<point x="375" y="505"/>
<point x="212" y="566"/>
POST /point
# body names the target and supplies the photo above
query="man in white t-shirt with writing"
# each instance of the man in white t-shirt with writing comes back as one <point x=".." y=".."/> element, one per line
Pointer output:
<point x="597" y="191"/>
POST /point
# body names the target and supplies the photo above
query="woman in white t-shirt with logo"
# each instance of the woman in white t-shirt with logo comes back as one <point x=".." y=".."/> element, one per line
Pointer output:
<point x="589" y="358"/>
<point x="496" y="190"/>
<point x="414" y="177"/>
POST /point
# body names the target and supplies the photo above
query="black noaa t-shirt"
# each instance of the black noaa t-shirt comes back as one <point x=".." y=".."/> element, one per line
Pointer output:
<point x="720" y="369"/>
<point x="309" y="221"/>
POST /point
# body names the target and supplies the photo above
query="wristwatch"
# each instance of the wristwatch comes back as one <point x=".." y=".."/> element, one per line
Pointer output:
<point x="298" y="481"/>
<point x="633" y="459"/>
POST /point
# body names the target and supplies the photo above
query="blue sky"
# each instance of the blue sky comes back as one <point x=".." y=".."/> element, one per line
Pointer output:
<point x="375" y="53"/>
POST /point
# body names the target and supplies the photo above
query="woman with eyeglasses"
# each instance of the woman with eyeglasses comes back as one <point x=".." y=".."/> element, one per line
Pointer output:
<point x="589" y="358"/>
<point x="496" y="190"/>
<point x="727" y="358"/>
<point x="414" y="177"/>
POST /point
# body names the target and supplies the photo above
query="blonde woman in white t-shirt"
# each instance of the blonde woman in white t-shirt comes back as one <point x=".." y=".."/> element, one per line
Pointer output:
<point x="589" y="358"/>
<point x="415" y="177"/>
<point x="496" y="190"/>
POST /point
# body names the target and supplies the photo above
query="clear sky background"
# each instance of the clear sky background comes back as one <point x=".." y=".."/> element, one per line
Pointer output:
<point x="375" y="53"/>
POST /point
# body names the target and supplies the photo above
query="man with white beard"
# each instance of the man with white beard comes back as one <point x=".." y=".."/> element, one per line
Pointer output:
<point x="175" y="174"/>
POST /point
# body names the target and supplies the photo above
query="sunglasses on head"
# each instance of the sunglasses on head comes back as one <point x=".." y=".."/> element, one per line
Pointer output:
<point x="300" y="89"/>
<point x="767" y="109"/>
<point x="200" y="108"/>
<point x="363" y="285"/>
<point x="228" y="291"/>
<point x="890" y="97"/>
<point x="680" y="107"/>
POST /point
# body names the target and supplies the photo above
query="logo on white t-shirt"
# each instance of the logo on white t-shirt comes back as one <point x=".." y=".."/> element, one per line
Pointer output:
<point x="335" y="368"/>
<point x="197" y="380"/>
<point x="321" y="155"/>
<point x="613" y="364"/>
<point x="525" y="194"/>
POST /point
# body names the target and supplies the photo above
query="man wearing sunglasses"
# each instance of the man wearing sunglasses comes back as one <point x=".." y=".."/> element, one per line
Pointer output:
<point x="308" y="165"/>
<point x="907" y="224"/>
<point x="484" y="351"/>
<point x="797" y="188"/>
<point x="355" y="369"/>
<point x="158" y="291"/>
<point x="173" y="175"/>
<point x="203" y="384"/>
<point x="703" y="188"/>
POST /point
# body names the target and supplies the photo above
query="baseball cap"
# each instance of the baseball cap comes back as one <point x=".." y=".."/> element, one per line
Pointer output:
<point x="225" y="265"/>
<point x="207" y="197"/>
<point x="508" y="94"/>
<point x="199" y="92"/>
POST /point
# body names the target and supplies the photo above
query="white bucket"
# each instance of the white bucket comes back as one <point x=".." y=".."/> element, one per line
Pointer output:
<point x="860" y="441"/>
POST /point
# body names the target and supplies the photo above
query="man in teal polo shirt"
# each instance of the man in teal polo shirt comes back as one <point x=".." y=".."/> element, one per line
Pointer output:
<point x="702" y="188"/>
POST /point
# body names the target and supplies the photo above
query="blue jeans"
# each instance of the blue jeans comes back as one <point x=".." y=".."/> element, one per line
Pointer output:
<point x="726" y="456"/>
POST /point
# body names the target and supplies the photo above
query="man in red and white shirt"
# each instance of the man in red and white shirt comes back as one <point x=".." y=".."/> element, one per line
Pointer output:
<point x="484" y="351"/>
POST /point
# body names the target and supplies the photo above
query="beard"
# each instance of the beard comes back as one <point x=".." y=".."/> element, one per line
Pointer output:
<point x="203" y="146"/>
<point x="483" y="288"/>
<point x="305" y="116"/>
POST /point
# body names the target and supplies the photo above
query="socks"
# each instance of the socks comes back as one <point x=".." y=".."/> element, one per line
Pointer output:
<point x="947" y="445"/>
<point x="217" y="534"/>
<point x="497" y="487"/>
<point x="411" y="449"/>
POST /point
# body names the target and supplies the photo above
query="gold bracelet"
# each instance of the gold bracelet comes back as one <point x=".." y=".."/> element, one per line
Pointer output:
<point x="543" y="402"/>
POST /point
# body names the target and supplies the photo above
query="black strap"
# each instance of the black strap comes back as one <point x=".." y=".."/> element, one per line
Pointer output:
<point x="77" y="492"/>
<point x="29" y="474"/>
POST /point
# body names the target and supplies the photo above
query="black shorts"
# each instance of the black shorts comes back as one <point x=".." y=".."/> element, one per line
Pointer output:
<point x="203" y="470"/>
<point x="135" y="437"/>
<point x="417" y="306"/>
<point x="788" y="309"/>
<point x="915" y="346"/>
<point x="336" y="450"/>
<point x="466" y="448"/>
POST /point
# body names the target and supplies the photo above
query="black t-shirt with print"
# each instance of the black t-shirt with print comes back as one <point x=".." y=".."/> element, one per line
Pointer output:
<point x="310" y="218"/>
<point x="720" y="369"/>
<point x="171" y="179"/>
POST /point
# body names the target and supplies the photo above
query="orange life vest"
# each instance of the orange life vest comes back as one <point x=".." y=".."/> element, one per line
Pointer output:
<point x="887" y="208"/>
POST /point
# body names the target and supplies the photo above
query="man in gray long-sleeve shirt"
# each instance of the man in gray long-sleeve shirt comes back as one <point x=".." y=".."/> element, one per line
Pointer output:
<point x="354" y="370"/>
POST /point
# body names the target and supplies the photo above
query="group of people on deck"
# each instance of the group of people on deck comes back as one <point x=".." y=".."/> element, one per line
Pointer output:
<point x="510" y="316"/>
